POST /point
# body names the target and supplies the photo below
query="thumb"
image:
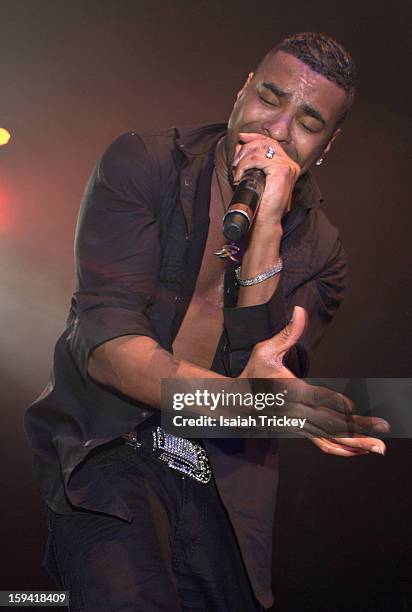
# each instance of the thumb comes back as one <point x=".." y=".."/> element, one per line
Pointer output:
<point x="290" y="334"/>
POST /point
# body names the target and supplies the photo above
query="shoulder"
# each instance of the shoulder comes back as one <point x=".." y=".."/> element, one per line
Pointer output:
<point x="136" y="161"/>
<point x="195" y="139"/>
<point x="162" y="148"/>
<point x="134" y="148"/>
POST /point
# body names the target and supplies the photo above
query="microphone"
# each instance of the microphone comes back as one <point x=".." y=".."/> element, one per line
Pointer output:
<point x="244" y="204"/>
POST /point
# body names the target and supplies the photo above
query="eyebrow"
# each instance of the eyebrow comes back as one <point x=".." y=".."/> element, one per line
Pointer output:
<point x="276" y="90"/>
<point x="312" y="112"/>
<point x="307" y="109"/>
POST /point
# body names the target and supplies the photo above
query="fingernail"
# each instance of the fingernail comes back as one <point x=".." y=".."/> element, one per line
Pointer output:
<point x="293" y="315"/>
<point x="378" y="449"/>
<point x="381" y="427"/>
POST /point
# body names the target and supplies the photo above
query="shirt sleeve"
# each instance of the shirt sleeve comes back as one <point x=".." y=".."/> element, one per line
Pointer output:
<point x="117" y="250"/>
<point x="320" y="296"/>
<point x="247" y="325"/>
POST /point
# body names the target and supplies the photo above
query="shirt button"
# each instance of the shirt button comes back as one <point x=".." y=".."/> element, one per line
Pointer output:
<point x="187" y="182"/>
<point x="87" y="443"/>
<point x="144" y="413"/>
<point x="178" y="299"/>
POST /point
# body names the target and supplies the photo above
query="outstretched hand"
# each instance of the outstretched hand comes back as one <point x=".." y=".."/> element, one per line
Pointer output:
<point x="329" y="416"/>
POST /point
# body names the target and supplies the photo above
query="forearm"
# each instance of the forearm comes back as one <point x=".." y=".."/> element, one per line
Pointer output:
<point x="135" y="366"/>
<point x="262" y="253"/>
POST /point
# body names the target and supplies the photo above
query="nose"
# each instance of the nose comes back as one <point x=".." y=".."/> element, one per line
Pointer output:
<point x="278" y="127"/>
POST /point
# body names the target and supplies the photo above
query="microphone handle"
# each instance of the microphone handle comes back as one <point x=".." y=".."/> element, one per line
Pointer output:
<point x="244" y="204"/>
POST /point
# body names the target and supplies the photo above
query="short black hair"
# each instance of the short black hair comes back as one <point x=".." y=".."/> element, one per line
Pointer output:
<point x="323" y="55"/>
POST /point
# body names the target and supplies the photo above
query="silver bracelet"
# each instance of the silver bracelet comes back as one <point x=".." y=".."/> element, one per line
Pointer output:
<point x="246" y="282"/>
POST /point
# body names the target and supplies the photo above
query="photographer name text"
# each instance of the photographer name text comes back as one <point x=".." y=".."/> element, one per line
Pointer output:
<point x="249" y="421"/>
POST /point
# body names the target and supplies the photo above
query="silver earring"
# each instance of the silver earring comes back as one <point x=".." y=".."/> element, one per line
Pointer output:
<point x="320" y="161"/>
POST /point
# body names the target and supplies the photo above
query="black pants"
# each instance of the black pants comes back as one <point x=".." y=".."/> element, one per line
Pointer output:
<point x="178" y="554"/>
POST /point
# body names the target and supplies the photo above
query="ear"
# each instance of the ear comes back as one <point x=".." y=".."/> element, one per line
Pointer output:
<point x="246" y="83"/>
<point x="331" y="141"/>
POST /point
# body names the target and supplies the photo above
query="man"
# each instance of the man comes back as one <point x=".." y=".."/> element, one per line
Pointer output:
<point x="153" y="301"/>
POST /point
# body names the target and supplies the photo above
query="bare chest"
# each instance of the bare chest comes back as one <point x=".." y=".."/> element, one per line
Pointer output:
<point x="202" y="325"/>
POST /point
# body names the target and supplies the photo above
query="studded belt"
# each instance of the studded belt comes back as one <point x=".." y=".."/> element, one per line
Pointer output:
<point x="180" y="454"/>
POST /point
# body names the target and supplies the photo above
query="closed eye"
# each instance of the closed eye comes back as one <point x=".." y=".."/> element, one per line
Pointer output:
<point x="308" y="129"/>
<point x="272" y="102"/>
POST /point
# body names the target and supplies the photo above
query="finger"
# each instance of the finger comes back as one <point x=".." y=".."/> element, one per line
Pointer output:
<point x="322" y="396"/>
<point x="331" y="422"/>
<point x="370" y="424"/>
<point x="332" y="448"/>
<point x="258" y="150"/>
<point x="350" y="424"/>
<point x="271" y="351"/>
<point x="238" y="148"/>
<point x="308" y="431"/>
<point x="251" y="136"/>
<point x="337" y="425"/>
<point x="319" y="398"/>
<point x="253" y="157"/>
<point x="247" y="137"/>
<point x="290" y="334"/>
<point x="248" y="149"/>
<point x="247" y="163"/>
<point x="372" y="445"/>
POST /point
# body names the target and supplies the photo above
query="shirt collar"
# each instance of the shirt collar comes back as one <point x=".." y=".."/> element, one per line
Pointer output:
<point x="200" y="139"/>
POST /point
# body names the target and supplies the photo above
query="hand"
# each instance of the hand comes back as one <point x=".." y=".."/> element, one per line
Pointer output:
<point x="281" y="175"/>
<point x="328" y="414"/>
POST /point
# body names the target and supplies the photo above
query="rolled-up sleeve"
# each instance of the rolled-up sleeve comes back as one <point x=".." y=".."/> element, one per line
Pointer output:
<point x="247" y="325"/>
<point x="117" y="250"/>
<point x="320" y="295"/>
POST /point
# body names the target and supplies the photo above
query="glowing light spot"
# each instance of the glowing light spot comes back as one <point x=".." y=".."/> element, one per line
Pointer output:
<point x="4" y="136"/>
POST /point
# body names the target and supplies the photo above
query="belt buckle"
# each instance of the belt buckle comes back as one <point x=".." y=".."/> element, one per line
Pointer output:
<point x="182" y="455"/>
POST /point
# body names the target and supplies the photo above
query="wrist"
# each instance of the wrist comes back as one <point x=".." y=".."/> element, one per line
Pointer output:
<point x="268" y="229"/>
<point x="272" y="208"/>
<point x="264" y="244"/>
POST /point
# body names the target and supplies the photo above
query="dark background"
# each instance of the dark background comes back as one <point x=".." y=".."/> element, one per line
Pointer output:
<point x="74" y="75"/>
